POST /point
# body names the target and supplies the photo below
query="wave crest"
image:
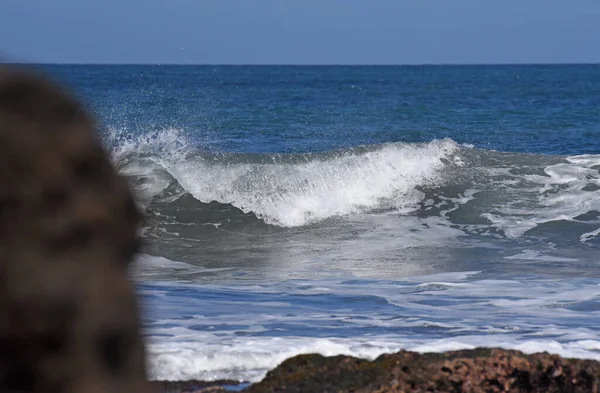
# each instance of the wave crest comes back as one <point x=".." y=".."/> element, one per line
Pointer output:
<point x="288" y="190"/>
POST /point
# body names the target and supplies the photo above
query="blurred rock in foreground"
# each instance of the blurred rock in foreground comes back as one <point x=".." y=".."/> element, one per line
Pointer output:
<point x="68" y="314"/>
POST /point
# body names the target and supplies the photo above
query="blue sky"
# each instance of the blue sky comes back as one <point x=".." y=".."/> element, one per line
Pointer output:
<point x="300" y="31"/>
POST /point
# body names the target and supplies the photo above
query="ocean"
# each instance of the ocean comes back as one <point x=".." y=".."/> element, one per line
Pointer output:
<point x="355" y="210"/>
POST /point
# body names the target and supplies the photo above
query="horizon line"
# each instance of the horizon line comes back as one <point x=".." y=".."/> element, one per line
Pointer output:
<point x="299" y="64"/>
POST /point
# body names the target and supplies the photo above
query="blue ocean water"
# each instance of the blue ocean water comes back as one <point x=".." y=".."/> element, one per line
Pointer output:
<point x="356" y="210"/>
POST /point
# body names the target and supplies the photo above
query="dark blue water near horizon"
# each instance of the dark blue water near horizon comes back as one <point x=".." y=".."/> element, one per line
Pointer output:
<point x="549" y="109"/>
<point x="355" y="210"/>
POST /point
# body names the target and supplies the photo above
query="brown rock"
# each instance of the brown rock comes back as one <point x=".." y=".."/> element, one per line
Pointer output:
<point x="472" y="371"/>
<point x="68" y="314"/>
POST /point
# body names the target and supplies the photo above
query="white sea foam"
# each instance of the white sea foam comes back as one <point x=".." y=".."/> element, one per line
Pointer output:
<point x="141" y="157"/>
<point x="146" y="267"/>
<point x="513" y="196"/>
<point x="562" y="194"/>
<point x="301" y="193"/>
<point x="248" y="329"/>
<point x="285" y="193"/>
<point x="166" y="143"/>
<point x="532" y="255"/>
<point x="248" y="360"/>
<point x="586" y="237"/>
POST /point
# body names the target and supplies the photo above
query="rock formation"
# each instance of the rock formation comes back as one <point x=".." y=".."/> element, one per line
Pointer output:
<point x="68" y="313"/>
<point x="470" y="371"/>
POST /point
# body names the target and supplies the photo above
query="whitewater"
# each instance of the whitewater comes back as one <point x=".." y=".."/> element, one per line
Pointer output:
<point x="355" y="210"/>
<point x="361" y="215"/>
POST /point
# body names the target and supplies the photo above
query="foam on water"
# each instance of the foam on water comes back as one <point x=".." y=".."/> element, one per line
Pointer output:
<point x="241" y="331"/>
<point x="318" y="258"/>
<point x="149" y="267"/>
<point x="140" y="158"/>
<point x="248" y="360"/>
<point x="295" y="194"/>
<point x="514" y="194"/>
<point x="564" y="192"/>
<point x="287" y="193"/>
<point x="534" y="255"/>
<point x="406" y="209"/>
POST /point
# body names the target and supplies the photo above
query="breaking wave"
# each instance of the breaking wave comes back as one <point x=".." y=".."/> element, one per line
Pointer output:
<point x="511" y="193"/>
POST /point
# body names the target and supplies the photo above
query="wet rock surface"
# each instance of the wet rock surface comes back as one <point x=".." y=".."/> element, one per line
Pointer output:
<point x="69" y="320"/>
<point x="474" y="371"/>
<point x="471" y="371"/>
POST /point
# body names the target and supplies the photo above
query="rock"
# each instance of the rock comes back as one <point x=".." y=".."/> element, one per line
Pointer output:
<point x="68" y="314"/>
<point x="470" y="371"/>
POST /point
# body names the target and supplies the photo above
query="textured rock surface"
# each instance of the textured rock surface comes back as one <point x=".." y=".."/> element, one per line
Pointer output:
<point x="480" y="370"/>
<point x="68" y="314"/>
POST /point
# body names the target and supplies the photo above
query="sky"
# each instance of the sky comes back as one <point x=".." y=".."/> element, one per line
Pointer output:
<point x="300" y="31"/>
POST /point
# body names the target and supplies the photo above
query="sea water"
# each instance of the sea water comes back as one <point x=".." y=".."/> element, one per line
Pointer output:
<point x="355" y="210"/>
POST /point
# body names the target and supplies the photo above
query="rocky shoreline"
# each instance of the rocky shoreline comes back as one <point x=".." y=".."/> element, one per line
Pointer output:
<point x="473" y="371"/>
